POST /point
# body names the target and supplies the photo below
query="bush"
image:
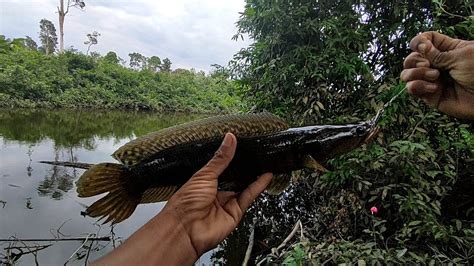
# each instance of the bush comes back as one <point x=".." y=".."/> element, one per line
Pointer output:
<point x="73" y="80"/>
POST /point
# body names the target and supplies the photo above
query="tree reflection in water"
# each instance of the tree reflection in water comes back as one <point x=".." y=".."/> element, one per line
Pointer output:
<point x="71" y="130"/>
<point x="33" y="135"/>
<point x="275" y="218"/>
<point x="59" y="179"/>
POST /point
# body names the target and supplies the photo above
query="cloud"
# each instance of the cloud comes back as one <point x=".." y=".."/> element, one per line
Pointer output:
<point x="192" y="33"/>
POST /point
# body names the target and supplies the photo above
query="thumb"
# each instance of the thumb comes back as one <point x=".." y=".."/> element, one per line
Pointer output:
<point x="221" y="159"/>
<point x="438" y="59"/>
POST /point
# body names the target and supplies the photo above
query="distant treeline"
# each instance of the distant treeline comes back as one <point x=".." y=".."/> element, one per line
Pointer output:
<point x="30" y="78"/>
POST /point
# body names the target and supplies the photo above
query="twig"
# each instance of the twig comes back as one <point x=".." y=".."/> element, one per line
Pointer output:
<point x="13" y="257"/>
<point x="38" y="248"/>
<point x="74" y="253"/>
<point x="416" y="126"/>
<point x="112" y="232"/>
<point x="290" y="236"/>
<point x="102" y="238"/>
<point x="285" y="242"/>
<point x="33" y="252"/>
<point x="58" y="231"/>
<point x="250" y="246"/>
<point x="88" y="252"/>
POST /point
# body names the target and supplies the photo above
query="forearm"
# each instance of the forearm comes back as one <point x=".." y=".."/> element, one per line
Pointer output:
<point x="161" y="241"/>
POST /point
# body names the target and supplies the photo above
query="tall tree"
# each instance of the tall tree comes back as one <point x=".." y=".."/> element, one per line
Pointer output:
<point x="92" y="39"/>
<point x="63" y="9"/>
<point x="154" y="63"/>
<point x="137" y="61"/>
<point x="30" y="43"/>
<point x="48" y="36"/>
<point x="166" y="66"/>
<point x="112" y="57"/>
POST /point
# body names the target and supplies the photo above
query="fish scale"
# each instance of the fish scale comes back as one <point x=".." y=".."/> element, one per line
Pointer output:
<point x="241" y="125"/>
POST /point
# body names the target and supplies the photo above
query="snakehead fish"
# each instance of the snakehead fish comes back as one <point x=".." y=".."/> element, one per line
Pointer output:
<point x="154" y="166"/>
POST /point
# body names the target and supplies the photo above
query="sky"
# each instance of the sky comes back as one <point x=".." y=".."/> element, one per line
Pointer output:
<point x="191" y="33"/>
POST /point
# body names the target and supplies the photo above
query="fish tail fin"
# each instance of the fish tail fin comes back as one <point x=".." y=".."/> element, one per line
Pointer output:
<point x="119" y="203"/>
<point x="69" y="164"/>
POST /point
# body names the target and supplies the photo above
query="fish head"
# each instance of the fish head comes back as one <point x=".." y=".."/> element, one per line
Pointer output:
<point x="326" y="142"/>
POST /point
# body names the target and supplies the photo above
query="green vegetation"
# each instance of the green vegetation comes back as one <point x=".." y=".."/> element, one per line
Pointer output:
<point x="335" y="62"/>
<point x="30" y="78"/>
<point x="327" y="61"/>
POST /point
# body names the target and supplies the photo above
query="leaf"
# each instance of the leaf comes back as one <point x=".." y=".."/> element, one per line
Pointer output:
<point x="458" y="224"/>
<point x="305" y="99"/>
<point x="321" y="106"/>
<point x="384" y="193"/>
<point x="421" y="130"/>
<point x="401" y="252"/>
<point x="414" y="223"/>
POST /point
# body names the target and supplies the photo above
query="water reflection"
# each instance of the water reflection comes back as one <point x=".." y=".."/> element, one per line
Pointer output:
<point x="273" y="217"/>
<point x="73" y="129"/>
<point x="37" y="199"/>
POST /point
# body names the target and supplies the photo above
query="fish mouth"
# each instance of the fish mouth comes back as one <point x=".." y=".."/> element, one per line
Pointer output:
<point x="372" y="134"/>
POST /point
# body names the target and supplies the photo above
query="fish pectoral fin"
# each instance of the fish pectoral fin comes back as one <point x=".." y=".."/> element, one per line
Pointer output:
<point x="310" y="163"/>
<point x="296" y="176"/>
<point x="158" y="194"/>
<point x="279" y="183"/>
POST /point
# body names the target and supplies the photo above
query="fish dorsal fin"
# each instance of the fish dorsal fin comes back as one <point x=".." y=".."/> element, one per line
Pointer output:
<point x="241" y="125"/>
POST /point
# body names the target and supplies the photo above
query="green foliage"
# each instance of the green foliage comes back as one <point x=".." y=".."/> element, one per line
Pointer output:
<point x="295" y="257"/>
<point x="111" y="57"/>
<point x="166" y="66"/>
<point x="154" y="63"/>
<point x="362" y="253"/>
<point x="72" y="80"/>
<point x="137" y="61"/>
<point x="338" y="62"/>
<point x="48" y="36"/>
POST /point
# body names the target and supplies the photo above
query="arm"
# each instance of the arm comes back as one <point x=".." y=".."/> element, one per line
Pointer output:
<point x="195" y="219"/>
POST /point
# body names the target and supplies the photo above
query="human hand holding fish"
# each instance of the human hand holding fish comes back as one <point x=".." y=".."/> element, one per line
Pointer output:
<point x="202" y="210"/>
<point x="195" y="219"/>
<point x="433" y="55"/>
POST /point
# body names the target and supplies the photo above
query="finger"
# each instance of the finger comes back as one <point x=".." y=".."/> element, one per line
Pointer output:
<point x="440" y="41"/>
<point x="414" y="60"/>
<point x="223" y="156"/>
<point x="251" y="192"/>
<point x="421" y="88"/>
<point x="421" y="73"/>
<point x="224" y="196"/>
<point x="437" y="48"/>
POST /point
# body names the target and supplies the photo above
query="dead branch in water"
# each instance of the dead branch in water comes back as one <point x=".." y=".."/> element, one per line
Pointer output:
<point x="13" y="257"/>
<point x="102" y="238"/>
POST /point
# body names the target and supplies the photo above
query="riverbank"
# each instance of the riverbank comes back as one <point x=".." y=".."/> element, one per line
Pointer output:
<point x="30" y="79"/>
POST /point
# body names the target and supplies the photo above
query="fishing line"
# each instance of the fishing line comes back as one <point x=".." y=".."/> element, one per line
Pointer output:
<point x="380" y="112"/>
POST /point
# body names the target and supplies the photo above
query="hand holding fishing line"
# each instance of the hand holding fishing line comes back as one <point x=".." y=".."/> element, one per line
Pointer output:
<point x="434" y="53"/>
<point x="195" y="219"/>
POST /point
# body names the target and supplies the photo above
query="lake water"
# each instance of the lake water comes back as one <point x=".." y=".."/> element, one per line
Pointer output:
<point x="39" y="201"/>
